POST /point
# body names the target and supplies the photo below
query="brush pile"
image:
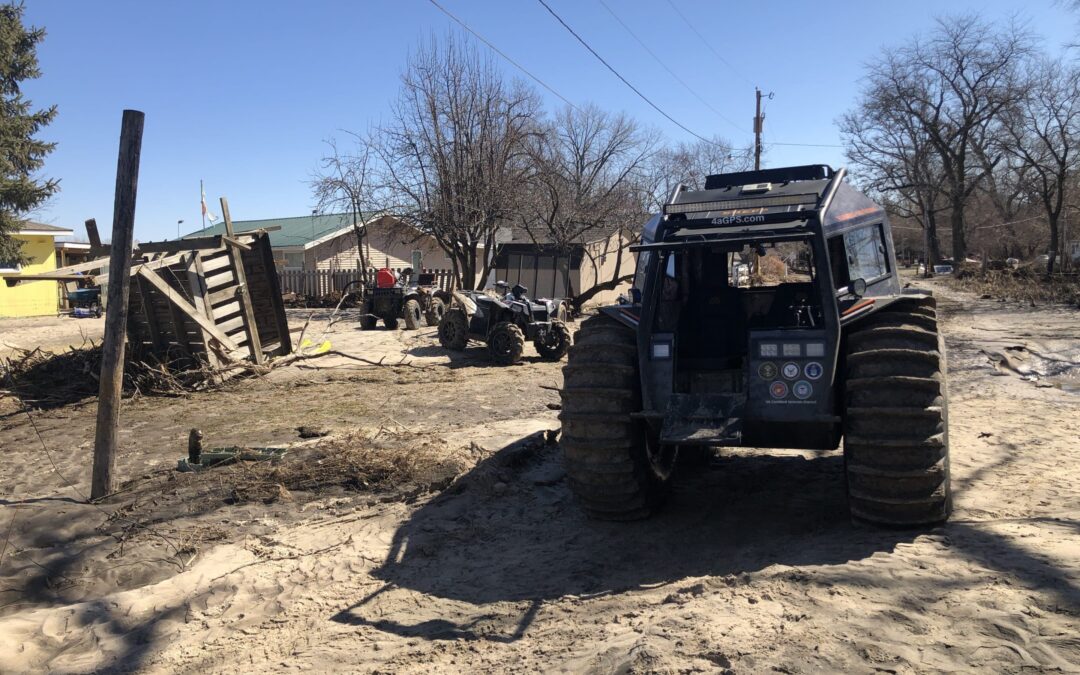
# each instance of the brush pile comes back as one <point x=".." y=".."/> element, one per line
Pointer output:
<point x="1020" y="285"/>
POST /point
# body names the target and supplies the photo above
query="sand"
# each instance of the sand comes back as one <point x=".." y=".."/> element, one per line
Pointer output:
<point x="754" y="567"/>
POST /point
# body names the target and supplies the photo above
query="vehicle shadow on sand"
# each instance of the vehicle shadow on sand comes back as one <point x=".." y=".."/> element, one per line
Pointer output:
<point x="511" y="532"/>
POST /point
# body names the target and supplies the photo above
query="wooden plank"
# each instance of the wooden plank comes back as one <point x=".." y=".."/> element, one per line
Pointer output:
<point x="251" y="329"/>
<point x="200" y="298"/>
<point x="148" y="314"/>
<point x="264" y="254"/>
<point x="181" y="245"/>
<point x="220" y="279"/>
<point x="227" y="309"/>
<point x="236" y="242"/>
<point x="211" y="264"/>
<point x="227" y="293"/>
<point x="96" y="249"/>
<point x="187" y="308"/>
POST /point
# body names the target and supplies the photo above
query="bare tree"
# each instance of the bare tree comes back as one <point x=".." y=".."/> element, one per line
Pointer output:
<point x="1044" y="135"/>
<point x="954" y="85"/>
<point x="585" y="183"/>
<point x="453" y="157"/>
<point x="892" y="155"/>
<point x="343" y="183"/>
<point x="691" y="163"/>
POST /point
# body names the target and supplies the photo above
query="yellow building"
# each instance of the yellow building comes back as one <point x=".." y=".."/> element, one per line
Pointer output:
<point x="32" y="298"/>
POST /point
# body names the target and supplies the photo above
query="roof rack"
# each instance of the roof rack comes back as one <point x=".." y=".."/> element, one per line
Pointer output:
<point x="784" y="175"/>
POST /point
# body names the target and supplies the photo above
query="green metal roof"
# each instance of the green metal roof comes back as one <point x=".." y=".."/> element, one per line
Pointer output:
<point x="295" y="231"/>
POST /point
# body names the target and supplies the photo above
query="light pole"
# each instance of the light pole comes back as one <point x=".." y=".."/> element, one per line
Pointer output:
<point x="178" y="224"/>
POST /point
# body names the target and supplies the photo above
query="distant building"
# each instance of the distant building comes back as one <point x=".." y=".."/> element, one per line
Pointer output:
<point x="550" y="273"/>
<point x="32" y="298"/>
<point x="328" y="242"/>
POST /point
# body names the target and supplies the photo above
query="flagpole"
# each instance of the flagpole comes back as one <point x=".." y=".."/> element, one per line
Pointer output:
<point x="202" y="203"/>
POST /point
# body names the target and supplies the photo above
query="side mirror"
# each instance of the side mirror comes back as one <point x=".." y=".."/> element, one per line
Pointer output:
<point x="858" y="287"/>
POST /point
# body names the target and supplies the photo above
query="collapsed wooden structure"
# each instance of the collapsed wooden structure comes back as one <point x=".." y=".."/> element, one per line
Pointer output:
<point x="212" y="299"/>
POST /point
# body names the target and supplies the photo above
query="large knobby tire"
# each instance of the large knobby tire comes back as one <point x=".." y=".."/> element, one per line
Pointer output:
<point x="554" y="345"/>
<point x="603" y="446"/>
<point x="436" y="309"/>
<point x="369" y="321"/>
<point x="413" y="315"/>
<point x="391" y="322"/>
<point x="454" y="329"/>
<point x="896" y="427"/>
<point x="506" y="344"/>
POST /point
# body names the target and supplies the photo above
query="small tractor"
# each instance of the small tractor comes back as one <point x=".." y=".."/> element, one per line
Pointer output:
<point x="414" y="298"/>
<point x="505" y="322"/>
<point x="818" y="344"/>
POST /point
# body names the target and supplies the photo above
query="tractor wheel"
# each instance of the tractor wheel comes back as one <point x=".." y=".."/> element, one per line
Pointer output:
<point x="369" y="321"/>
<point x="454" y="330"/>
<point x="391" y="322"/>
<point x="605" y="449"/>
<point x="896" y="430"/>
<point x="555" y="342"/>
<point x="435" y="311"/>
<point x="413" y="315"/>
<point x="506" y="343"/>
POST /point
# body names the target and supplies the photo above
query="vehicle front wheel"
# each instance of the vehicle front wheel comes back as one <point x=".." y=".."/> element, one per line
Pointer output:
<point x="554" y="343"/>
<point x="435" y="311"/>
<point x="369" y="321"/>
<point x="413" y="316"/>
<point x="506" y="343"/>
<point x="454" y="330"/>
<point x="391" y="322"/>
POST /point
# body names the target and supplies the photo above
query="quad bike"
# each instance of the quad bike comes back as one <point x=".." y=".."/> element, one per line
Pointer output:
<point x="504" y="323"/>
<point x="412" y="298"/>
<point x="826" y="347"/>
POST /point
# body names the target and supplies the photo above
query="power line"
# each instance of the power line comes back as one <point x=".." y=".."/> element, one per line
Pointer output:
<point x="669" y="70"/>
<point x="807" y="145"/>
<point x="624" y="80"/>
<point x="498" y="51"/>
<point x="710" y="47"/>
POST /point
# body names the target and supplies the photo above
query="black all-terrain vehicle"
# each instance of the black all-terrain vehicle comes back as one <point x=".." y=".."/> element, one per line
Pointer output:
<point x="413" y="298"/>
<point x="504" y="323"/>
<point x="819" y="344"/>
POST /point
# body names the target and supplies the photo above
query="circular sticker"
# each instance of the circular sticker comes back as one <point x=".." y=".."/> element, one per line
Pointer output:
<point x="778" y="389"/>
<point x="802" y="390"/>
<point x="790" y="370"/>
<point x="813" y="370"/>
<point x="767" y="370"/>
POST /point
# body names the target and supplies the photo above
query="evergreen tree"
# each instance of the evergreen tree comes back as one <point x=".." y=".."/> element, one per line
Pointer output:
<point x="21" y="155"/>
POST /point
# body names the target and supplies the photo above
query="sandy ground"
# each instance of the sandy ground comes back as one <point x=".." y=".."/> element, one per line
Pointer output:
<point x="754" y="567"/>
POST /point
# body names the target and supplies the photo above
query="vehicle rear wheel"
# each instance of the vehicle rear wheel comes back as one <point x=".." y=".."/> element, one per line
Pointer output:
<point x="413" y="315"/>
<point x="506" y="343"/>
<point x="555" y="342"/>
<point x="896" y="430"/>
<point x="391" y="322"/>
<point x="369" y="321"/>
<point x="604" y="448"/>
<point x="454" y="329"/>
<point x="435" y="311"/>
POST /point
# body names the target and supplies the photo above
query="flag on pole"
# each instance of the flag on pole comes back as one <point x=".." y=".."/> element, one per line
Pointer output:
<point x="205" y="211"/>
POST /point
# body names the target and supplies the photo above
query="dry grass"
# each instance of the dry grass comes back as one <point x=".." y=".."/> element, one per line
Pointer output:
<point x="1022" y="285"/>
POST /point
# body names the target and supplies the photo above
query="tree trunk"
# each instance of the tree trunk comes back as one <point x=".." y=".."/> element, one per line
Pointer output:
<point x="934" y="244"/>
<point x="1053" y="244"/>
<point x="956" y="220"/>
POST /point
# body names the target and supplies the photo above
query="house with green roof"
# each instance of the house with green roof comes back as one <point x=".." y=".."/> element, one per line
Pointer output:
<point x="328" y="242"/>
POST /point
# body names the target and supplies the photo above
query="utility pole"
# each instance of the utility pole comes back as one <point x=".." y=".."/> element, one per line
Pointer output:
<point x="759" y="124"/>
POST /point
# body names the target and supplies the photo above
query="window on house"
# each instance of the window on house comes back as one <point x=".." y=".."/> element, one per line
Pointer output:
<point x="865" y="248"/>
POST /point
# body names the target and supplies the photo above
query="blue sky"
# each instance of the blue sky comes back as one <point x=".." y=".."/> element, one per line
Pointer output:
<point x="243" y="94"/>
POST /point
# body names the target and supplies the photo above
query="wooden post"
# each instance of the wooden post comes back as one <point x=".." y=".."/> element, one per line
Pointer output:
<point x="112" y="350"/>
<point x="243" y="295"/>
<point x="96" y="249"/>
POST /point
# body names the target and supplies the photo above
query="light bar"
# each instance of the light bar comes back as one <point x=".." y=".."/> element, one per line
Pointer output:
<point x="728" y="204"/>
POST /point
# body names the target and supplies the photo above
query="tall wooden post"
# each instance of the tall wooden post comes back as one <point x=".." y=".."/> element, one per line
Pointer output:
<point x="112" y="351"/>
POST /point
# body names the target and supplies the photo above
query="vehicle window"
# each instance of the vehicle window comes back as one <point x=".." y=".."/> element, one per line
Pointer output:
<point x="838" y="262"/>
<point x="785" y="263"/>
<point x="865" y="253"/>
